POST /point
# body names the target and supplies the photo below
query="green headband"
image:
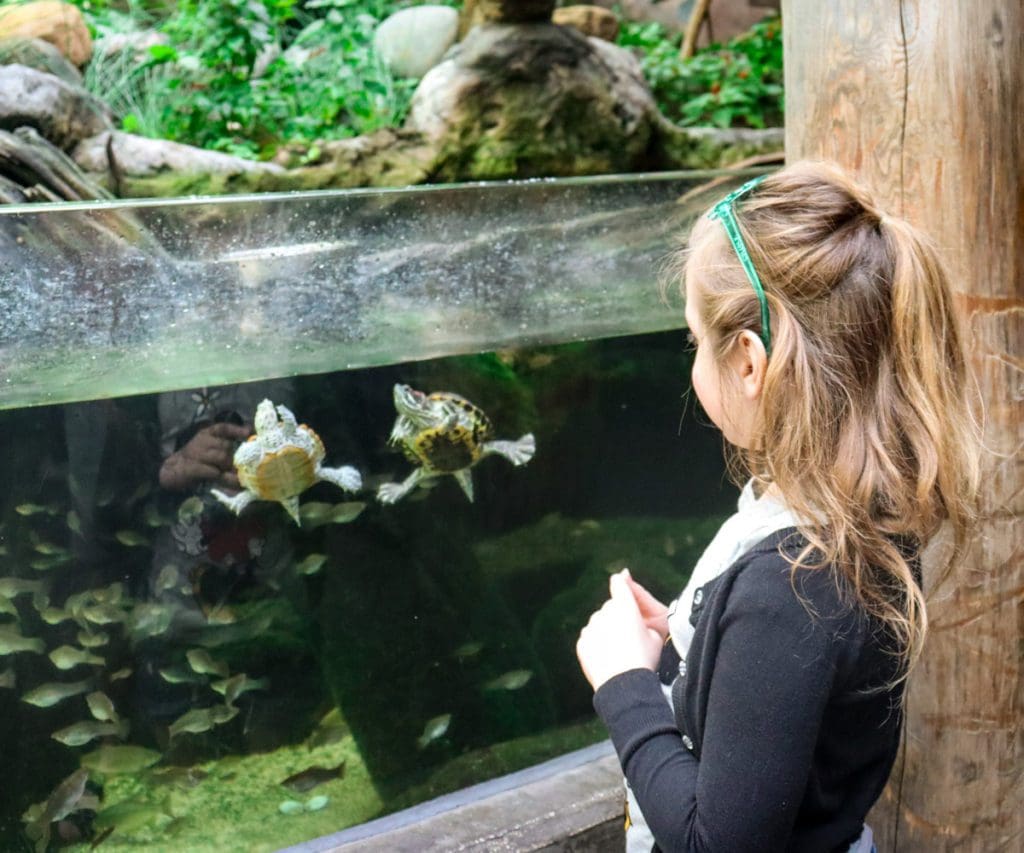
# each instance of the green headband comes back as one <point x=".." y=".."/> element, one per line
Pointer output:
<point x="723" y="211"/>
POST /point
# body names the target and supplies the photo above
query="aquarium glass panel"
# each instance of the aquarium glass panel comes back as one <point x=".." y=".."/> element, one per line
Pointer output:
<point x="114" y="298"/>
<point x="238" y="615"/>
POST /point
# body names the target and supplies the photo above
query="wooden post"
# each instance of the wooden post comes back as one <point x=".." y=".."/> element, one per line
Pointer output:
<point x="925" y="100"/>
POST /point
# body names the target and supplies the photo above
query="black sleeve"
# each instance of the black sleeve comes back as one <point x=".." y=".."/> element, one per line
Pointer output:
<point x="771" y="677"/>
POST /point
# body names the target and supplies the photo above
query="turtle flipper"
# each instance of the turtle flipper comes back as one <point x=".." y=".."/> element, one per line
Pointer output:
<point x="292" y="505"/>
<point x="390" y="493"/>
<point x="465" y="479"/>
<point x="518" y="452"/>
<point x="345" y="477"/>
<point x="235" y="503"/>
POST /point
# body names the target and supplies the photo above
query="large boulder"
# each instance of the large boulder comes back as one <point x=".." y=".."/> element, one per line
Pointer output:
<point x="589" y="20"/>
<point x="534" y="99"/>
<point x="412" y="41"/>
<point x="62" y="112"/>
<point x="61" y="24"/>
<point x="40" y="55"/>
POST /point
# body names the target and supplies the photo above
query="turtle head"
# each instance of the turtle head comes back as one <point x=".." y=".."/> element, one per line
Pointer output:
<point x="266" y="417"/>
<point x="413" y="404"/>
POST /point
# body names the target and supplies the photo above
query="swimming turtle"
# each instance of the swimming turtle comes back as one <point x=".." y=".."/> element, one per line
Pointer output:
<point x="280" y="461"/>
<point x="444" y="433"/>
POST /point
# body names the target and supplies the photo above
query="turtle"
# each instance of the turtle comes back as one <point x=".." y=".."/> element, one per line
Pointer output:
<point x="444" y="433"/>
<point x="280" y="461"/>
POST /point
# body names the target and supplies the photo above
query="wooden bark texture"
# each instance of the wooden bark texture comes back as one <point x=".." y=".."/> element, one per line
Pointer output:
<point x="924" y="100"/>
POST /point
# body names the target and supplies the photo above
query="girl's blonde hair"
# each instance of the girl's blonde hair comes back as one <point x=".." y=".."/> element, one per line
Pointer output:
<point x="864" y="424"/>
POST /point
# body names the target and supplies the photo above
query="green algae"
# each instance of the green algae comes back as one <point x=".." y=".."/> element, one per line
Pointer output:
<point x="233" y="803"/>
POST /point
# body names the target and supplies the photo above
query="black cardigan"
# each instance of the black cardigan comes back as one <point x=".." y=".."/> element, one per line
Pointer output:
<point x="781" y="739"/>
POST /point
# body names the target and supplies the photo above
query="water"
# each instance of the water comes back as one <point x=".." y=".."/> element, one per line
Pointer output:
<point x="243" y="683"/>
<point x="431" y="649"/>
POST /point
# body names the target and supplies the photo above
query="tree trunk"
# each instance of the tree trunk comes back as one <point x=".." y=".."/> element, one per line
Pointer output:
<point x="924" y="100"/>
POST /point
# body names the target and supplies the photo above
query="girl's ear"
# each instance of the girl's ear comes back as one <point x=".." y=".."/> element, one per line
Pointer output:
<point x="750" y="363"/>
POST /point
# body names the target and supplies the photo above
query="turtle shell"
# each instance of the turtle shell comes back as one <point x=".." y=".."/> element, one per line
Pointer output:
<point x="286" y="470"/>
<point x="453" y="443"/>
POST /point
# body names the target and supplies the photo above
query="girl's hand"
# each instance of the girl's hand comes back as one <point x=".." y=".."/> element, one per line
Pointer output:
<point x="654" y="613"/>
<point x="617" y="638"/>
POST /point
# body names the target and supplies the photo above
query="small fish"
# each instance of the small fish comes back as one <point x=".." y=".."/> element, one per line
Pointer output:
<point x="89" y="640"/>
<point x="29" y="509"/>
<point x="150" y="619"/>
<point x="511" y="680"/>
<point x="183" y="777"/>
<point x="202" y="662"/>
<point x="68" y="657"/>
<point x="232" y="688"/>
<point x="79" y="734"/>
<point x="316" y="513"/>
<point x="435" y="728"/>
<point x="202" y="719"/>
<point x="49" y="549"/>
<point x="124" y="672"/>
<point x="347" y="511"/>
<point x="102" y="614"/>
<point x="12" y="641"/>
<point x="54" y="615"/>
<point x="48" y="695"/>
<point x="311" y="564"/>
<point x="129" y="816"/>
<point x="311" y="777"/>
<point x="179" y="675"/>
<point x="44" y="564"/>
<point x="468" y="650"/>
<point x="669" y="546"/>
<point x="114" y="760"/>
<point x="58" y="805"/>
<point x="131" y="539"/>
<point x="102" y="707"/>
<point x="220" y="615"/>
<point x="7" y="607"/>
<point x="13" y="587"/>
<point x="110" y="594"/>
<point x="152" y="517"/>
<point x="190" y="509"/>
<point x="8" y="678"/>
<point x="331" y="729"/>
<point x="74" y="522"/>
<point x="168" y="578"/>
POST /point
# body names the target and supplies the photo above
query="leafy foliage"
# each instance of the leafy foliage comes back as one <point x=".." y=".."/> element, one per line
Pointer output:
<point x="739" y="84"/>
<point x="247" y="76"/>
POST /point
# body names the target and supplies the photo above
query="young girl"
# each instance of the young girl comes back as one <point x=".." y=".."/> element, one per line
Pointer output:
<point x="829" y="356"/>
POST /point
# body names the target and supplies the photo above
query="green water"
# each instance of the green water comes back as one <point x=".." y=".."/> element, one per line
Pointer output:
<point x="394" y="653"/>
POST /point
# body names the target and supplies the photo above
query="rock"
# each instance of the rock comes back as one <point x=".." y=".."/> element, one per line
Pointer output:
<point x="138" y="42"/>
<point x="589" y="20"/>
<point x="476" y="12"/>
<point x="140" y="156"/>
<point x="534" y="100"/>
<point x="40" y="55"/>
<point x="62" y="112"/>
<point x="412" y="41"/>
<point x="60" y="24"/>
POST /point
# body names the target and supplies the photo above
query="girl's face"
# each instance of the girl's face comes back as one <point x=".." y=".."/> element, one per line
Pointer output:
<point x="720" y="399"/>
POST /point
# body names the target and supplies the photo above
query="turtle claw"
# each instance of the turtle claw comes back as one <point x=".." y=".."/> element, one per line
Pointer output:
<point x="345" y="477"/>
<point x="390" y="493"/>
<point x="235" y="503"/>
<point x="518" y="452"/>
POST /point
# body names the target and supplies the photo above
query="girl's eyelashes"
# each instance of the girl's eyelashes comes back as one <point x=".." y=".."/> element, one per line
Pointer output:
<point x="691" y="341"/>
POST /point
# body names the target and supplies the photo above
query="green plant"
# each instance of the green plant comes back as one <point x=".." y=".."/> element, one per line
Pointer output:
<point x="248" y="76"/>
<point x="739" y="84"/>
